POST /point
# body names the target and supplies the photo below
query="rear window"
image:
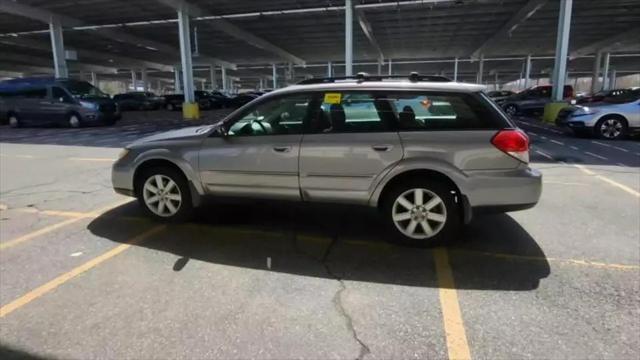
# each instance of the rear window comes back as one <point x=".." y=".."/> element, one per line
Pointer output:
<point x="443" y="111"/>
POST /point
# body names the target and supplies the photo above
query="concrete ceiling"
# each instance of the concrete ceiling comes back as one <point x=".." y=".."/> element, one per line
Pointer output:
<point x="238" y="32"/>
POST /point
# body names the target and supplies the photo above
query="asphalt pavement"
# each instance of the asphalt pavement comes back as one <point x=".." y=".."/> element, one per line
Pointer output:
<point x="83" y="274"/>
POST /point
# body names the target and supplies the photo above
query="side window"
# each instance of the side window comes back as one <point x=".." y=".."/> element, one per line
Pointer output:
<point x="34" y="93"/>
<point x="57" y="93"/>
<point x="441" y="111"/>
<point x="349" y="112"/>
<point x="280" y="116"/>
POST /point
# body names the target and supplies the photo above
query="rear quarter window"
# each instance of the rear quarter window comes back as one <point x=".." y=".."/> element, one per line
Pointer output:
<point x="444" y="111"/>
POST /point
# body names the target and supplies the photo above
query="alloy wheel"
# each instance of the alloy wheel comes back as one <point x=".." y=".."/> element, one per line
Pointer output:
<point x="419" y="213"/>
<point x="611" y="128"/>
<point x="74" y="121"/>
<point x="162" y="195"/>
<point x="511" y="110"/>
<point x="13" y="121"/>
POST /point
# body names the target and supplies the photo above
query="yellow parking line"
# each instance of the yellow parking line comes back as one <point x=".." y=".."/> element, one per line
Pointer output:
<point x="607" y="180"/>
<point x="92" y="159"/>
<point x="50" y="228"/>
<point x="43" y="289"/>
<point x="457" y="345"/>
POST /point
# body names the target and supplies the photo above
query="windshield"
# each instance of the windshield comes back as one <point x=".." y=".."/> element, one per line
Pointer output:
<point x="83" y="89"/>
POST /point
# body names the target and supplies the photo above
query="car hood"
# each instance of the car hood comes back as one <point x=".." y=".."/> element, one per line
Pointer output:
<point x="179" y="134"/>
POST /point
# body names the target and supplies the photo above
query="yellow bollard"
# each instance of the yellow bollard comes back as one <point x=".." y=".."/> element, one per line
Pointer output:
<point x="190" y="111"/>
<point x="551" y="111"/>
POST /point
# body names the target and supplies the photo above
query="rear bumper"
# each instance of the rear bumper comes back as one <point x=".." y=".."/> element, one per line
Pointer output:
<point x="507" y="190"/>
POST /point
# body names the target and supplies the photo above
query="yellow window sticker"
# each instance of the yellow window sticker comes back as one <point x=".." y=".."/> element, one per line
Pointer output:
<point x="332" y="98"/>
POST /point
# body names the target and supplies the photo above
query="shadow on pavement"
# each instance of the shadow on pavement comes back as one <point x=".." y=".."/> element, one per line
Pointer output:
<point x="339" y="242"/>
<point x="8" y="353"/>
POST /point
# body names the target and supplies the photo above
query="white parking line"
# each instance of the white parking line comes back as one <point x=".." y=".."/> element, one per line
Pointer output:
<point x="557" y="142"/>
<point x="574" y="147"/>
<point x="596" y="155"/>
<point x="545" y="155"/>
<point x="532" y="133"/>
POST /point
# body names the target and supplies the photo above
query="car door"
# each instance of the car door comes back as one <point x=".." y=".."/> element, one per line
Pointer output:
<point x="349" y="142"/>
<point x="56" y="106"/>
<point x="30" y="103"/>
<point x="259" y="155"/>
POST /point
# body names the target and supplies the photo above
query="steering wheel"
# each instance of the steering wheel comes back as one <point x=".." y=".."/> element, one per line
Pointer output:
<point x="264" y="129"/>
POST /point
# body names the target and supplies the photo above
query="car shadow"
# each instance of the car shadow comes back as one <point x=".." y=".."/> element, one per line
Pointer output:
<point x="339" y="242"/>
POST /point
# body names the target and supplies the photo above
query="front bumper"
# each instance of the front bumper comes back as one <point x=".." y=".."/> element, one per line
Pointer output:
<point x="96" y="117"/>
<point x="122" y="177"/>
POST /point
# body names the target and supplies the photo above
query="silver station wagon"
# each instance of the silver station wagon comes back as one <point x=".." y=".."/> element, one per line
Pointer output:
<point x="427" y="152"/>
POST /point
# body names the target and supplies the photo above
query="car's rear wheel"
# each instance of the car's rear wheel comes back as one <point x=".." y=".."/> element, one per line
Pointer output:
<point x="164" y="194"/>
<point x="170" y="107"/>
<point x="611" y="128"/>
<point x="14" y="121"/>
<point x="421" y="214"/>
<point x="511" y="110"/>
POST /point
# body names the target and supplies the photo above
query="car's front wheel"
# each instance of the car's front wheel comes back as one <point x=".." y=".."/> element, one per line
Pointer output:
<point x="73" y="120"/>
<point x="170" y="107"/>
<point x="164" y="194"/>
<point x="611" y="128"/>
<point x="14" y="121"/>
<point x="421" y="214"/>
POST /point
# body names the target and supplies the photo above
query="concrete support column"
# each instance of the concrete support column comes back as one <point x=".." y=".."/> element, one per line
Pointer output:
<point x="390" y="69"/>
<point x="225" y="81"/>
<point x="185" y="55"/>
<point x="605" y="71"/>
<point x="380" y="61"/>
<point x="348" y="38"/>
<point x="176" y="79"/>
<point x="145" y="80"/>
<point x="562" y="49"/>
<point x="613" y="79"/>
<point x="596" y="72"/>
<point x="57" y="47"/>
<point x="94" y="79"/>
<point x="134" y="80"/>
<point x="455" y="69"/>
<point x="496" y="84"/>
<point x="329" y="69"/>
<point x="527" y="72"/>
<point x="480" y="69"/>
<point x="212" y="77"/>
<point x="274" y="74"/>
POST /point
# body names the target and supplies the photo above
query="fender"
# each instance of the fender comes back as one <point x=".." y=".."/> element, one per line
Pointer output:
<point x="406" y="165"/>
<point x="182" y="161"/>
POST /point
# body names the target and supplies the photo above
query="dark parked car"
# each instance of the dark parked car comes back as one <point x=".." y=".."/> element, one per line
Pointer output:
<point x="44" y="101"/>
<point x="602" y="95"/>
<point x="138" y="101"/>
<point x="500" y="96"/>
<point x="242" y="99"/>
<point x="532" y="100"/>
<point x="205" y="100"/>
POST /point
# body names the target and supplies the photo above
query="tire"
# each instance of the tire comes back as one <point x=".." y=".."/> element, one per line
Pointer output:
<point x="443" y="218"/>
<point x="611" y="128"/>
<point x="175" y="208"/>
<point x="73" y="120"/>
<point x="170" y="107"/>
<point x="511" y="110"/>
<point x="110" y="122"/>
<point x="14" y="121"/>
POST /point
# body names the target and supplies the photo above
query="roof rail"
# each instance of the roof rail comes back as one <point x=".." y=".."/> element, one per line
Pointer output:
<point x="413" y="77"/>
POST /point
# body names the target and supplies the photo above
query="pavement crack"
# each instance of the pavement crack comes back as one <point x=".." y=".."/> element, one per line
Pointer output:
<point x="337" y="301"/>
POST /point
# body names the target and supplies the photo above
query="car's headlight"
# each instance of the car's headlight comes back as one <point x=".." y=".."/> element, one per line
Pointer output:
<point x="88" y="105"/>
<point x="123" y="153"/>
<point x="585" y="111"/>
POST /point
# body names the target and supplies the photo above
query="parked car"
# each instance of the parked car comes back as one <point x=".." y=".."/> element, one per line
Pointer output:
<point x="241" y="99"/>
<point x="532" y="100"/>
<point x="138" y="101"/>
<point x="612" y="118"/>
<point x="500" y="96"/>
<point x="601" y="95"/>
<point x="45" y="101"/>
<point x="403" y="147"/>
<point x="216" y="99"/>
<point x="174" y="102"/>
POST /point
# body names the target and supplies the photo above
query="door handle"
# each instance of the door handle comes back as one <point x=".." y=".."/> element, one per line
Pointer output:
<point x="282" y="148"/>
<point x="382" y="147"/>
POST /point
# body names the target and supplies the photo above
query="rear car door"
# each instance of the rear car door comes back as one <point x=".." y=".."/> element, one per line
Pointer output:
<point x="259" y="156"/>
<point x="350" y="141"/>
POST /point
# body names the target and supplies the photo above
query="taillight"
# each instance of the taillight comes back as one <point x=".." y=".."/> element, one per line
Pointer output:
<point x="512" y="142"/>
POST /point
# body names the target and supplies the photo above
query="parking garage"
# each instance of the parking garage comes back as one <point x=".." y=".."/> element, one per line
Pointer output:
<point x="84" y="274"/>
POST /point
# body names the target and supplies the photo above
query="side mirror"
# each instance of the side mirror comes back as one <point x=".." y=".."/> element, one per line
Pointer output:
<point x="222" y="131"/>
